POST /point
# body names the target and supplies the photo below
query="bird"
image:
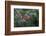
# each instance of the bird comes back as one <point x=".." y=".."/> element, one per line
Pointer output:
<point x="26" y="17"/>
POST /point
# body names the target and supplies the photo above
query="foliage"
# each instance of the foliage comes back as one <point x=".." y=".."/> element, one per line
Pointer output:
<point x="19" y="15"/>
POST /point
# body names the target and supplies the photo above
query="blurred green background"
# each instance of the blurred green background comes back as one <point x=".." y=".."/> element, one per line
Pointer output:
<point x="26" y="17"/>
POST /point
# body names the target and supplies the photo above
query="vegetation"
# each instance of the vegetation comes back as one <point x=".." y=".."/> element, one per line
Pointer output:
<point x="26" y="17"/>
